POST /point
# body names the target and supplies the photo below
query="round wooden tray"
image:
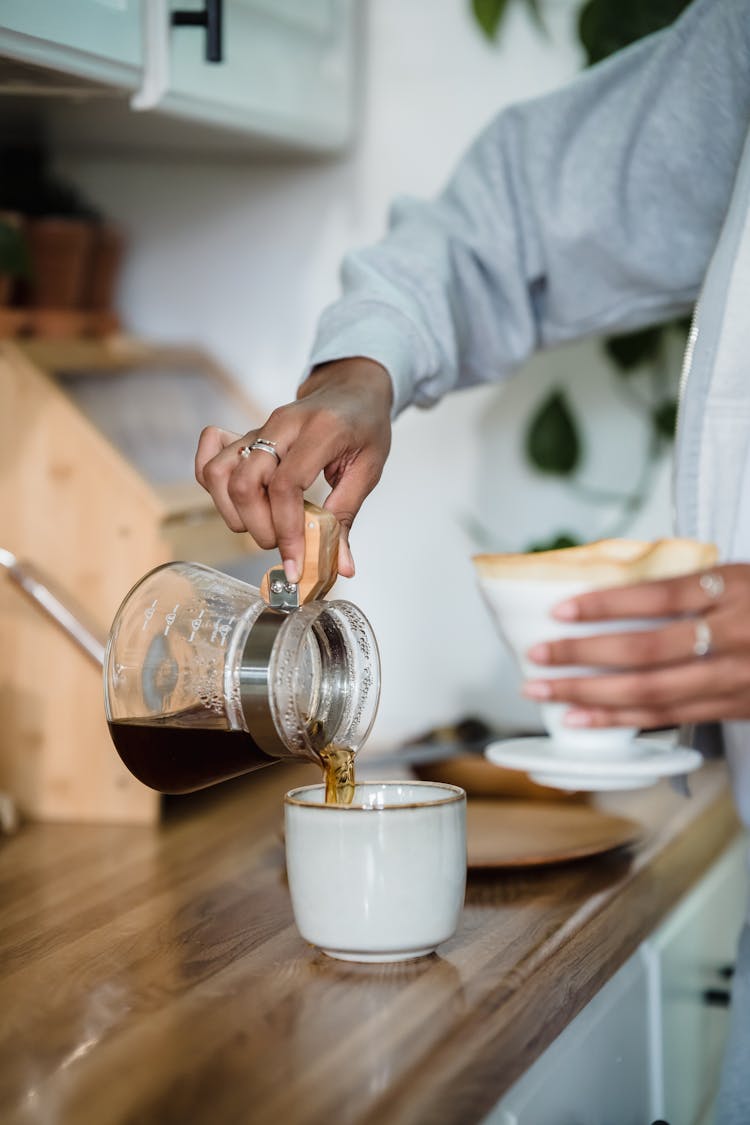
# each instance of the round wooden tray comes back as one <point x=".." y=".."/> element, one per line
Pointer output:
<point x="508" y="833"/>
<point x="481" y="778"/>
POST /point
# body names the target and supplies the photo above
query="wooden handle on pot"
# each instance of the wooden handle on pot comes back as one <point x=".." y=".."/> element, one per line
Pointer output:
<point x="320" y="568"/>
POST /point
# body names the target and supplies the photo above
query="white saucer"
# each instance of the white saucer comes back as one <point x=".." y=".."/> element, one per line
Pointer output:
<point x="562" y="768"/>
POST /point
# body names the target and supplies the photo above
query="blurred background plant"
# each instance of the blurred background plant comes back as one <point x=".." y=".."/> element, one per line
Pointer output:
<point x="14" y="257"/>
<point x="645" y="362"/>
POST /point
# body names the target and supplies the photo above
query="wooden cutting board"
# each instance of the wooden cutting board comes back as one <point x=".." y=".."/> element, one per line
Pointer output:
<point x="506" y="833"/>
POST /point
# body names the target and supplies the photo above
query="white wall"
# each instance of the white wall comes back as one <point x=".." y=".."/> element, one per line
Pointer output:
<point x="241" y="258"/>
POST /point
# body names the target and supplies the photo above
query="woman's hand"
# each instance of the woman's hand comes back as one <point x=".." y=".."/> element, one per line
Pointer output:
<point x="340" y="425"/>
<point x="694" y="669"/>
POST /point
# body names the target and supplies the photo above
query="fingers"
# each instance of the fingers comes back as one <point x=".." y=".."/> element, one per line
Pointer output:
<point x="669" y="597"/>
<point x="238" y="484"/>
<point x="340" y="426"/>
<point x="211" y="442"/>
<point x="712" y="709"/>
<point x="247" y="488"/>
<point x="669" y="644"/>
<point x="259" y="493"/>
<point x="217" y="455"/>
<point x="262" y="493"/>
<point x="355" y="474"/>
<point x="686" y="682"/>
<point x="663" y="676"/>
<point x="352" y="487"/>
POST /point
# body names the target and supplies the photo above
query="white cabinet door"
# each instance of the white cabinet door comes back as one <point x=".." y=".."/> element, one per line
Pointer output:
<point x="597" y="1071"/>
<point x="286" y="78"/>
<point x="689" y="952"/>
<point x="649" y="1045"/>
<point x="96" y="39"/>
<point x="287" y="71"/>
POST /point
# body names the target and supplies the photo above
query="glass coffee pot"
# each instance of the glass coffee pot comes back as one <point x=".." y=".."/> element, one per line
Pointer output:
<point x="207" y="677"/>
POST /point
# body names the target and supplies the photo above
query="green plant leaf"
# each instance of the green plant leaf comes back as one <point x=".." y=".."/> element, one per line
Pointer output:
<point x="605" y="27"/>
<point x="489" y="14"/>
<point x="664" y="418"/>
<point x="14" y="258"/>
<point x="556" y="543"/>
<point x="552" y="441"/>
<point x="636" y="348"/>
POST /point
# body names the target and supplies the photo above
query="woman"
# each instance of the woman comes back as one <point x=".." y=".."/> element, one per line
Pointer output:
<point x="606" y="206"/>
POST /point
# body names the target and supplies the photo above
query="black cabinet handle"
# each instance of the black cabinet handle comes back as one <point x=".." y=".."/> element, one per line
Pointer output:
<point x="717" y="997"/>
<point x="210" y="19"/>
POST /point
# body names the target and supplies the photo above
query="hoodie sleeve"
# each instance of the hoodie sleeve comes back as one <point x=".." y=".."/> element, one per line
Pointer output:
<point x="592" y="209"/>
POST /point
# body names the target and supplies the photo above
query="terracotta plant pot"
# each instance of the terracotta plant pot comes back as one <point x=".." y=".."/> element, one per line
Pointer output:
<point x="60" y="251"/>
<point x="104" y="271"/>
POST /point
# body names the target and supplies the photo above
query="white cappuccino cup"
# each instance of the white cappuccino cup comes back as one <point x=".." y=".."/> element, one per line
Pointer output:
<point x="521" y="592"/>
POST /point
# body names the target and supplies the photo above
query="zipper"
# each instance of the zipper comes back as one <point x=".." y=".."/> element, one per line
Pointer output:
<point x="687" y="365"/>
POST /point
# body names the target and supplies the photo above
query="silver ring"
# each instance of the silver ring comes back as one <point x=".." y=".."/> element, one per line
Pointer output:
<point x="712" y="584"/>
<point x="702" y="642"/>
<point x="262" y="446"/>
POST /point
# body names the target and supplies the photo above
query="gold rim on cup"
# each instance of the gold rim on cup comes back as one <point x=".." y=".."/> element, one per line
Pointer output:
<point x="456" y="793"/>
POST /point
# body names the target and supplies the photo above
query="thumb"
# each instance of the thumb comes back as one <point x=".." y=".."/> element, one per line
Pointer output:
<point x="344" y="501"/>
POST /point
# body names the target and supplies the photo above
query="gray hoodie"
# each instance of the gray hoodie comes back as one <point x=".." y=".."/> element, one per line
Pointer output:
<point x="606" y="206"/>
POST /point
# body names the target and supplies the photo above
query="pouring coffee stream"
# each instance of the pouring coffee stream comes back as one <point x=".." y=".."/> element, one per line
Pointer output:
<point x="207" y="677"/>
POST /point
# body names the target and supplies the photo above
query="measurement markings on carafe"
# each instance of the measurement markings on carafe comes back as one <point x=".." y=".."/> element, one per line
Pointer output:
<point x="222" y="629"/>
<point x="195" y="625"/>
<point x="170" y="619"/>
<point x="148" y="613"/>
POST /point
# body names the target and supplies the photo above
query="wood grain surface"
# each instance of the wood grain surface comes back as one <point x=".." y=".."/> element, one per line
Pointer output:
<point x="320" y="564"/>
<point x="58" y="477"/>
<point x="531" y="833"/>
<point x="482" y="778"/>
<point x="73" y="506"/>
<point x="154" y="975"/>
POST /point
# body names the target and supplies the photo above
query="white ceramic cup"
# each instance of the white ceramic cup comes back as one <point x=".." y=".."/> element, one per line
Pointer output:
<point x="382" y="879"/>
<point x="522" y="611"/>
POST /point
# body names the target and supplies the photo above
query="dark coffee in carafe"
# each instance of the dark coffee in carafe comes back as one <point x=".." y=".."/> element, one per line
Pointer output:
<point x="180" y="759"/>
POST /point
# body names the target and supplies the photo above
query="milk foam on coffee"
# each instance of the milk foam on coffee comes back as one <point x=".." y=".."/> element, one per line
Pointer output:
<point x="608" y="562"/>
<point x="521" y="591"/>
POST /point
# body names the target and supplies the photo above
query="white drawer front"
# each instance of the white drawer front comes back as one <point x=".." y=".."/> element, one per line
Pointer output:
<point x="597" y="1071"/>
<point x="696" y="942"/>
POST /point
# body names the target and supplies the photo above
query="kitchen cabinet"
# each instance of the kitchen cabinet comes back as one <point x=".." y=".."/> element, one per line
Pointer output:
<point x="286" y="73"/>
<point x="285" y="80"/>
<point x="93" y="39"/>
<point x="649" y="1045"/>
<point x="597" y="1071"/>
<point x="690" y="958"/>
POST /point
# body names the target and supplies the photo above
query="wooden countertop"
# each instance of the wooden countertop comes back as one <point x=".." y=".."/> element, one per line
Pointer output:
<point x="154" y="975"/>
